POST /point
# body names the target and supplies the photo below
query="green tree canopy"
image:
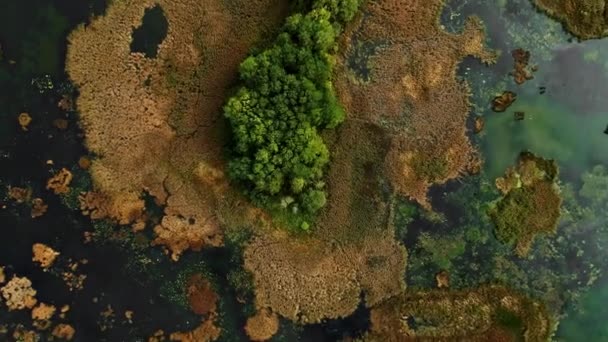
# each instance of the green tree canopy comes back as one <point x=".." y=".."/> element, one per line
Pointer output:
<point x="286" y="98"/>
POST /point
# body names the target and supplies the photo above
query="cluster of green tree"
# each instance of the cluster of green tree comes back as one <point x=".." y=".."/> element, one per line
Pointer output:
<point x="286" y="98"/>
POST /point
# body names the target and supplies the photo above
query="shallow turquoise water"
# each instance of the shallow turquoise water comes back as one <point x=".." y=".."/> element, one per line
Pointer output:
<point x="565" y="122"/>
<point x="551" y="129"/>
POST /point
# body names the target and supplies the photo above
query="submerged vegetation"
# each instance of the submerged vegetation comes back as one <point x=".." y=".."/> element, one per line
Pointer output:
<point x="287" y="96"/>
<point x="155" y="196"/>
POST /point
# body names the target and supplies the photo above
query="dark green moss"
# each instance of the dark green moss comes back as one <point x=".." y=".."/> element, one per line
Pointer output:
<point x="405" y="214"/>
<point x="81" y="182"/>
<point x="441" y="251"/>
<point x="511" y="213"/>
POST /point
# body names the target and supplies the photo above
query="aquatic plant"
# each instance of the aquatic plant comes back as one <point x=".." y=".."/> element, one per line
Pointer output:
<point x="417" y="59"/>
<point x="476" y="314"/>
<point x="308" y="281"/>
<point x="18" y="293"/>
<point x="531" y="202"/>
<point x="405" y="213"/>
<point x="558" y="268"/>
<point x="595" y="186"/>
<point x="585" y="19"/>
<point x="165" y="137"/>
<point x="181" y="289"/>
<point x="430" y="167"/>
<point x="80" y="183"/>
<point x="503" y="101"/>
<point x="262" y="326"/>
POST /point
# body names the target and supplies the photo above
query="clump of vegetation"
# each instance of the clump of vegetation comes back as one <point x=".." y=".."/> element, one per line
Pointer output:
<point x="429" y="168"/>
<point x="239" y="279"/>
<point x="405" y="214"/>
<point x="531" y="202"/>
<point x="480" y="314"/>
<point x="150" y="33"/>
<point x="585" y="19"/>
<point x="441" y="251"/>
<point x="286" y="98"/>
<point x="81" y="182"/>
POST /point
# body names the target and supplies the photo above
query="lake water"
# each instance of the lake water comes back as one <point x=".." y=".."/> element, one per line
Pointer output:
<point x="566" y="113"/>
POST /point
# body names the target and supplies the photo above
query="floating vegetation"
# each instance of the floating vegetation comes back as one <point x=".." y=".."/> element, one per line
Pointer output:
<point x="38" y="207"/>
<point x="18" y="293"/>
<point x="519" y="116"/>
<point x="262" y="326"/>
<point x="60" y="182"/>
<point x="443" y="279"/>
<point x="522" y="72"/>
<point x="44" y="255"/>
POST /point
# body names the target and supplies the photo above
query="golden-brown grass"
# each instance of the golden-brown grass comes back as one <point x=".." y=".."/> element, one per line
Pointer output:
<point x="584" y="18"/>
<point x="413" y="92"/>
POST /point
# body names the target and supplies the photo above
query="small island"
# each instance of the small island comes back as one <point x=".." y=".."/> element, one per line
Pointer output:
<point x="530" y="204"/>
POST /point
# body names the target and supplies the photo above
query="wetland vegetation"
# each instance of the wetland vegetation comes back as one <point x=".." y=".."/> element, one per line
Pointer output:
<point x="324" y="170"/>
